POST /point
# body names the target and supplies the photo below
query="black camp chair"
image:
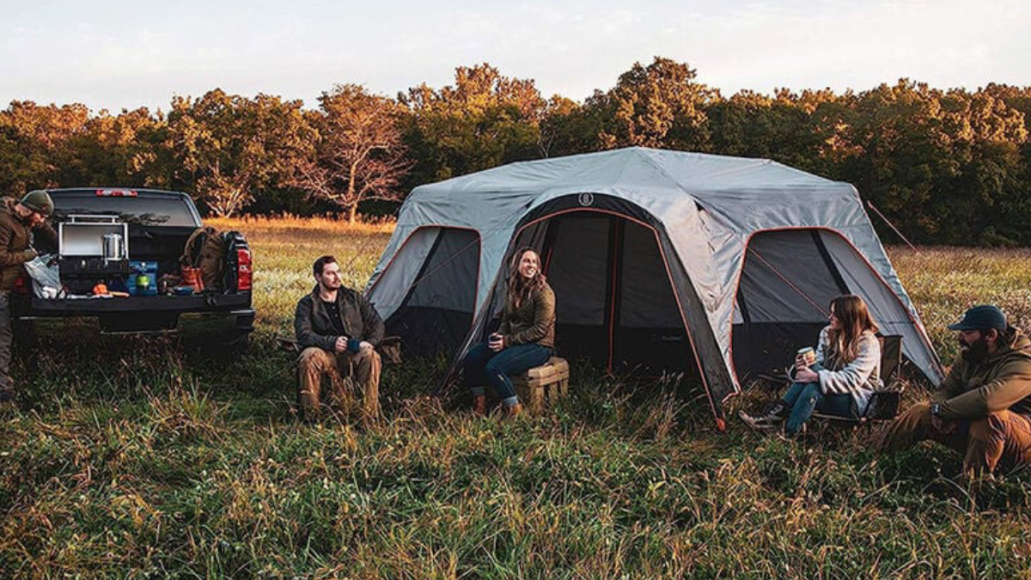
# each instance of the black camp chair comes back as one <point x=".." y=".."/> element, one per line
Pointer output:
<point x="884" y="404"/>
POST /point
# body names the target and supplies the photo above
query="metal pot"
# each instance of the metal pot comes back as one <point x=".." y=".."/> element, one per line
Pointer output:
<point x="114" y="248"/>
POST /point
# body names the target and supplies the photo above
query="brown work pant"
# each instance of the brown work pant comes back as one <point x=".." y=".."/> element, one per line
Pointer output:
<point x="1001" y="439"/>
<point x="346" y="374"/>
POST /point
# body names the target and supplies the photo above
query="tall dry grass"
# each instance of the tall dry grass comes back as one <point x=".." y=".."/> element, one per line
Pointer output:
<point x="140" y="460"/>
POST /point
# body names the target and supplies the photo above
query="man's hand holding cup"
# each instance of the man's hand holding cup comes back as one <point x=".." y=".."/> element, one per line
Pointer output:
<point x="341" y="344"/>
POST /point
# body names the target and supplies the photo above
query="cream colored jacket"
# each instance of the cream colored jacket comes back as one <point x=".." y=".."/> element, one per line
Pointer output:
<point x="858" y="378"/>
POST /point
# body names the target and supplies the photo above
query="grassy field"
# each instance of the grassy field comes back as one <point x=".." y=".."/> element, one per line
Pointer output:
<point x="139" y="461"/>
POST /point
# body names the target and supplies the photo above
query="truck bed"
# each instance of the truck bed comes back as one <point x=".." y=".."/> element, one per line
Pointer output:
<point x="88" y="306"/>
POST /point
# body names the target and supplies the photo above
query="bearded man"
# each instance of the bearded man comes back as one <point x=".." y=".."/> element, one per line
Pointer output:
<point x="983" y="409"/>
<point x="20" y="221"/>
<point x="338" y="331"/>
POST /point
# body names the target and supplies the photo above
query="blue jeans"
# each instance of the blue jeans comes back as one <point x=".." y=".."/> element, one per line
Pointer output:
<point x="483" y="366"/>
<point x="804" y="398"/>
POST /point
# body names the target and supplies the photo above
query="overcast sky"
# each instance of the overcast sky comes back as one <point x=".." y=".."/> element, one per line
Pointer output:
<point x="125" y="54"/>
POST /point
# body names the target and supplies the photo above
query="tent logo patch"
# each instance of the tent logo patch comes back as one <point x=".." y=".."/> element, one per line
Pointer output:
<point x="586" y="199"/>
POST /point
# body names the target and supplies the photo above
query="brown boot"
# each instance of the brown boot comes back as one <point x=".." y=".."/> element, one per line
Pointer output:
<point x="514" y="411"/>
<point x="480" y="405"/>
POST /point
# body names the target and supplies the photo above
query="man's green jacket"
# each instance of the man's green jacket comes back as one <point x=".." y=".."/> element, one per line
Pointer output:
<point x="1002" y="382"/>
<point x="314" y="327"/>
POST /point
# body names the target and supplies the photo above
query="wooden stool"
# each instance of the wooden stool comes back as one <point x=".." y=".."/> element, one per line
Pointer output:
<point x="546" y="383"/>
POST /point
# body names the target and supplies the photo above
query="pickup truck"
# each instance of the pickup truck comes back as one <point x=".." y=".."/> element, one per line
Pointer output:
<point x="158" y="225"/>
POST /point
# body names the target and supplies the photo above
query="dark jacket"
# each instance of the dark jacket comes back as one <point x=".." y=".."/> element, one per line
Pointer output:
<point x="1001" y="382"/>
<point x="314" y="328"/>
<point x="533" y="321"/>
<point x="15" y="243"/>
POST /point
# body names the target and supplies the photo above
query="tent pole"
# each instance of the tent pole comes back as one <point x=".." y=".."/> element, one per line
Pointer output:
<point x="615" y="268"/>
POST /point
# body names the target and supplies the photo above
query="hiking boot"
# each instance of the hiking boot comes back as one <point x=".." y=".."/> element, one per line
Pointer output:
<point x="480" y="405"/>
<point x="514" y="411"/>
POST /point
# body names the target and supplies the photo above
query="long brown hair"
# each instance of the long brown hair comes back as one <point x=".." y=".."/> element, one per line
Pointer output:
<point x="854" y="319"/>
<point x="519" y="289"/>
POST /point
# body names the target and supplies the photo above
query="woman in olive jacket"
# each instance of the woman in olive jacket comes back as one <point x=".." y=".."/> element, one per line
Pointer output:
<point x="524" y="340"/>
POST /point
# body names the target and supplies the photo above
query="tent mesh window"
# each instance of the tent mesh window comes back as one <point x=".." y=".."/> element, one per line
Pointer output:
<point x="787" y="284"/>
<point x="437" y="312"/>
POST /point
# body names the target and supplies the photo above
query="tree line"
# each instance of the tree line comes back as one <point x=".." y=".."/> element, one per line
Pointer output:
<point x="945" y="166"/>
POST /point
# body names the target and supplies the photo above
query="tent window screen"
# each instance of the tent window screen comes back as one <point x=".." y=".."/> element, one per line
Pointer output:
<point x="787" y="277"/>
<point x="437" y="312"/>
<point x="787" y="284"/>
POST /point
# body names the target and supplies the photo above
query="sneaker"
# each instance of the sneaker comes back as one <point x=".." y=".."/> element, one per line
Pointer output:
<point x="764" y="423"/>
<point x="776" y="411"/>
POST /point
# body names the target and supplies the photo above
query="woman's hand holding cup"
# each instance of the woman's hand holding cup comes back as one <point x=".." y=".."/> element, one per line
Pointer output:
<point x="496" y="342"/>
<point x="800" y="363"/>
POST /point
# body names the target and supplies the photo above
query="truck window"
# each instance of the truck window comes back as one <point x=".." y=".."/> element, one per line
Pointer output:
<point x="167" y="211"/>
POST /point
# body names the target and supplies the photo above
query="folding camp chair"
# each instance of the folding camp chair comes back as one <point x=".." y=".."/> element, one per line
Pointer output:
<point x="884" y="403"/>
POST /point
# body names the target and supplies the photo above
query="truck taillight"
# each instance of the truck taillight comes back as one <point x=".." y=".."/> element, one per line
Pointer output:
<point x="243" y="269"/>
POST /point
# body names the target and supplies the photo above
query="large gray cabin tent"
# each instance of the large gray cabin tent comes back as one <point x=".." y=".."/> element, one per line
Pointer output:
<point x="660" y="260"/>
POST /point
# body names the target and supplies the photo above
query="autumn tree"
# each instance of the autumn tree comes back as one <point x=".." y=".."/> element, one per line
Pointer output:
<point x="659" y="105"/>
<point x="34" y="143"/>
<point x="569" y="128"/>
<point x="798" y="129"/>
<point x="360" y="155"/>
<point x="483" y="120"/>
<point x="129" y="149"/>
<point x="1016" y="201"/>
<point x="229" y="147"/>
<point x="935" y="162"/>
<point x="985" y="137"/>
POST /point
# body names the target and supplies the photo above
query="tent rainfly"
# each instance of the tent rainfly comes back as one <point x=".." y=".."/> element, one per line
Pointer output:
<point x="721" y="267"/>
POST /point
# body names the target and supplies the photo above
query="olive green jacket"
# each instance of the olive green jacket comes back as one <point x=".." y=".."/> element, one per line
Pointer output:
<point x="533" y="321"/>
<point x="1001" y="382"/>
<point x="314" y="327"/>
<point x="15" y="243"/>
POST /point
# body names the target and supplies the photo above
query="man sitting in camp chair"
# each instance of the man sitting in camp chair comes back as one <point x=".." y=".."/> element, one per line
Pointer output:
<point x="983" y="409"/>
<point x="338" y="331"/>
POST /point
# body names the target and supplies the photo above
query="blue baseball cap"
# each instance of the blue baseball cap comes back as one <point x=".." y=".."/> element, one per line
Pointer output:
<point x="982" y="317"/>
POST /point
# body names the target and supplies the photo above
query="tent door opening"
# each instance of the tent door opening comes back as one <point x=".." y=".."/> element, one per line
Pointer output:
<point x="615" y="303"/>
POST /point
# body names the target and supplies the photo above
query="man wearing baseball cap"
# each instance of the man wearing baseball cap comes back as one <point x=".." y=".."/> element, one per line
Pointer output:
<point x="983" y="409"/>
<point x="19" y="220"/>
